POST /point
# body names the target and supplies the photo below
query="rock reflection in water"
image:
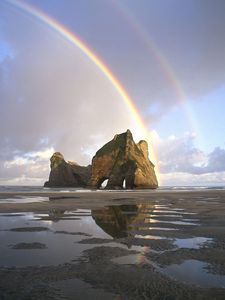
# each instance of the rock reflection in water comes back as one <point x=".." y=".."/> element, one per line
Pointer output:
<point x="117" y="221"/>
<point x="57" y="214"/>
<point x="54" y="215"/>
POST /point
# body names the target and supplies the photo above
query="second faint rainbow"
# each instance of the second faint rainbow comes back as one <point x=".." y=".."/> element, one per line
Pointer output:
<point x="74" y="39"/>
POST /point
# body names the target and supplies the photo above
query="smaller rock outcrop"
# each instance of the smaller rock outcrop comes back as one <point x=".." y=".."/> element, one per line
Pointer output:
<point x="122" y="159"/>
<point x="67" y="174"/>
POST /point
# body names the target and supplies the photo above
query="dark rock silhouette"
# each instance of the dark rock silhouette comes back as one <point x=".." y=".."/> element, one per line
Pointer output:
<point x="67" y="174"/>
<point x="122" y="159"/>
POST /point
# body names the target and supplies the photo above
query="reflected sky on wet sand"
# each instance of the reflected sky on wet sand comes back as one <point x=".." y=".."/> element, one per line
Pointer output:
<point x="55" y="237"/>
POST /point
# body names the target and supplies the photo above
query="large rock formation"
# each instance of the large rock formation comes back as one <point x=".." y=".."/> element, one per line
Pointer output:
<point x="121" y="159"/>
<point x="67" y="174"/>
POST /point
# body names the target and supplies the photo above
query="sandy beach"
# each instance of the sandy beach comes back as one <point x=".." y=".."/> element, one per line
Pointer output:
<point x="113" y="245"/>
<point x="72" y="200"/>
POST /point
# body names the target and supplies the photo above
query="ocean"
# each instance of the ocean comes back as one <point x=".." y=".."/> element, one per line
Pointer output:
<point x="41" y="189"/>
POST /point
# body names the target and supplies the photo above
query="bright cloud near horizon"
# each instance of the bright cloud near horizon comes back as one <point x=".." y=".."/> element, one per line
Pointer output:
<point x="170" y="57"/>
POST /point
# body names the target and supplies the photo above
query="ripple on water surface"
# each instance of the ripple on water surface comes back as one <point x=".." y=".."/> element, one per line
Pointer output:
<point x="54" y="237"/>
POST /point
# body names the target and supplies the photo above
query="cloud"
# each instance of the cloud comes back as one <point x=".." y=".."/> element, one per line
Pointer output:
<point x="215" y="163"/>
<point x="180" y="155"/>
<point x="180" y="163"/>
<point x="54" y="93"/>
<point x="53" y="97"/>
<point x="178" y="60"/>
<point x="32" y="168"/>
<point x="186" y="179"/>
<point x="195" y="51"/>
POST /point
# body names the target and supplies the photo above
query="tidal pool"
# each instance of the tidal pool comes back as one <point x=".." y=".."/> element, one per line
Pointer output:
<point x="192" y="243"/>
<point x="122" y="239"/>
<point x="60" y="247"/>
<point x="195" y="272"/>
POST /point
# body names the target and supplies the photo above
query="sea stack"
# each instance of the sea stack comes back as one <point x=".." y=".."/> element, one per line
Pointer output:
<point x="121" y="160"/>
<point x="67" y="174"/>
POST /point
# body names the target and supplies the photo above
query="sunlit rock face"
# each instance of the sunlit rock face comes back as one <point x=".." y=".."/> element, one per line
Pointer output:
<point x="122" y="159"/>
<point x="67" y="174"/>
<point x="119" y="160"/>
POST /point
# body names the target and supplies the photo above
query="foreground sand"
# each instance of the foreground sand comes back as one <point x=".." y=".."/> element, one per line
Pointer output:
<point x="98" y="268"/>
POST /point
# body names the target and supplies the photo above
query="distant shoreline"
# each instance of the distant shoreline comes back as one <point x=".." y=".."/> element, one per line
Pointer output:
<point x="64" y="191"/>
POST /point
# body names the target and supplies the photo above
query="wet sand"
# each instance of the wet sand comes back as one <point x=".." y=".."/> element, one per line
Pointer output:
<point x="146" y="245"/>
<point x="73" y="200"/>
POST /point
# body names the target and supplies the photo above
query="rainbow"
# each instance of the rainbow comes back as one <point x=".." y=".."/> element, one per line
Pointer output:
<point x="165" y="66"/>
<point x="75" y="40"/>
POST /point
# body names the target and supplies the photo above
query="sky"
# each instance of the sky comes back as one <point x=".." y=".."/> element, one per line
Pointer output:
<point x="168" y="55"/>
